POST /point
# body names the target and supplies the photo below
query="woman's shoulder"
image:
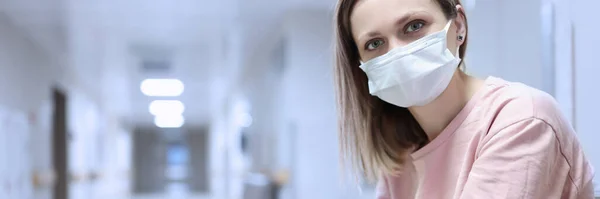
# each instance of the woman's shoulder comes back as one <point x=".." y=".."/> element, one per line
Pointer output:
<point x="524" y="115"/>
<point x="511" y="102"/>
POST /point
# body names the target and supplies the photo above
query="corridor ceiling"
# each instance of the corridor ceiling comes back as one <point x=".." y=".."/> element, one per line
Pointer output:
<point x="206" y="44"/>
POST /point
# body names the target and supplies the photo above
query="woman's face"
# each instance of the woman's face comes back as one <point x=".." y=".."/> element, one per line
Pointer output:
<point x="381" y="25"/>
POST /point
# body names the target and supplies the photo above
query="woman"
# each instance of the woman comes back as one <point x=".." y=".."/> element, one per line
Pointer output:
<point x="413" y="120"/>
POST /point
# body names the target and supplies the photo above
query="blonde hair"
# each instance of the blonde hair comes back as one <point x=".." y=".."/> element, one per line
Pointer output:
<point x="375" y="136"/>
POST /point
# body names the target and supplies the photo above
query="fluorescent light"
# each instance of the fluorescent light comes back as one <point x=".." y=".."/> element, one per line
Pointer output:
<point x="166" y="107"/>
<point x="169" y="121"/>
<point x="162" y="87"/>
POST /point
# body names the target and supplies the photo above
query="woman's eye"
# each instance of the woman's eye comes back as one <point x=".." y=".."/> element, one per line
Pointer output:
<point x="374" y="44"/>
<point x="414" y="27"/>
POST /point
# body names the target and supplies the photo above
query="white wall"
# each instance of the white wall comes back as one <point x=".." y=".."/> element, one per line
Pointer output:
<point x="309" y="106"/>
<point x="27" y="76"/>
<point x="520" y="42"/>
<point x="218" y="153"/>
<point x="98" y="145"/>
<point x="587" y="69"/>
<point x="504" y="41"/>
<point x="482" y="59"/>
<point x="115" y="165"/>
<point x="264" y="95"/>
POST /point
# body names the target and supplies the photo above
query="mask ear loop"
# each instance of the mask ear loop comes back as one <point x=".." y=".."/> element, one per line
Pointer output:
<point x="458" y="52"/>
<point x="447" y="28"/>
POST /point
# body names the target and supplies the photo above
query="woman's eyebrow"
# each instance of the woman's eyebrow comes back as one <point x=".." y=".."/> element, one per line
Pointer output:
<point x="402" y="20"/>
<point x="407" y="16"/>
<point x="411" y="15"/>
<point x="368" y="35"/>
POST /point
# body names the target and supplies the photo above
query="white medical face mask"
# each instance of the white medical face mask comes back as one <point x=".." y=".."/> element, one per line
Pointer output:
<point x="415" y="74"/>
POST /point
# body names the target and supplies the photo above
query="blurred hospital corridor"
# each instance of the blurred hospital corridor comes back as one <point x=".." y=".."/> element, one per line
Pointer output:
<point x="231" y="99"/>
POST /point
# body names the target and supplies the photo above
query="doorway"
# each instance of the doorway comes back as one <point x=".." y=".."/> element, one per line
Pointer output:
<point x="60" y="144"/>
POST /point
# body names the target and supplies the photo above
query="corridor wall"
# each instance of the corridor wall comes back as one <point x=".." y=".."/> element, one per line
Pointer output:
<point x="27" y="77"/>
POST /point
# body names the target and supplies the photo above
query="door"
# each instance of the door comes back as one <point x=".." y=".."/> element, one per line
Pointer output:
<point x="59" y="145"/>
<point x="149" y="160"/>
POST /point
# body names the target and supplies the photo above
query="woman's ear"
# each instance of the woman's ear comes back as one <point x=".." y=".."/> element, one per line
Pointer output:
<point x="461" y="25"/>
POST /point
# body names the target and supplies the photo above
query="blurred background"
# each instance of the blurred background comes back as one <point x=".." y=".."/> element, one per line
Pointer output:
<point x="230" y="99"/>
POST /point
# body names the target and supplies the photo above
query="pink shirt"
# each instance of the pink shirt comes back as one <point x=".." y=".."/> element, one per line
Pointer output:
<point x="509" y="141"/>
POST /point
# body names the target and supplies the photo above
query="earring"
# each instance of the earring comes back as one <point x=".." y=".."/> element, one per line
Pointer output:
<point x="460" y="38"/>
